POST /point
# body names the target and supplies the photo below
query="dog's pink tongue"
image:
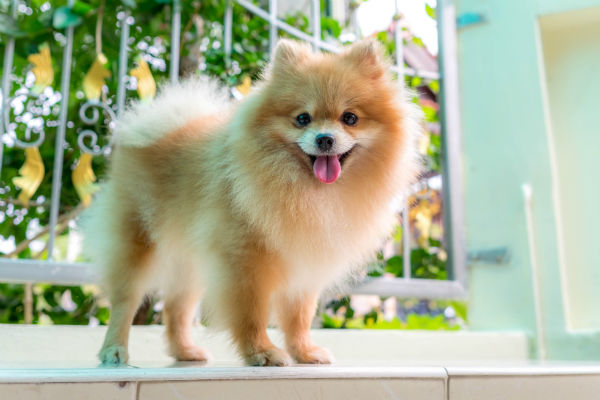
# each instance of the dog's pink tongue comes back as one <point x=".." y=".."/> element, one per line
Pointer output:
<point x="327" y="168"/>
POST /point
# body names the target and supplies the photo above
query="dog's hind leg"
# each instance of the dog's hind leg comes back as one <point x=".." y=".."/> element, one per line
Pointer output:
<point x="126" y="277"/>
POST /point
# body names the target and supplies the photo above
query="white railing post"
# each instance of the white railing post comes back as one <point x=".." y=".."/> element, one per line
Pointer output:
<point x="65" y="82"/>
<point x="451" y="143"/>
<point x="399" y="58"/>
<point x="175" y="40"/>
<point x="398" y="42"/>
<point x="228" y="34"/>
<point x="9" y="51"/>
<point x="272" y="27"/>
<point x="123" y="51"/>
<point x="316" y="24"/>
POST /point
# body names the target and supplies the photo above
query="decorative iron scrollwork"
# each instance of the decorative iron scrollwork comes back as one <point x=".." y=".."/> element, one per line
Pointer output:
<point x="95" y="106"/>
<point x="29" y="130"/>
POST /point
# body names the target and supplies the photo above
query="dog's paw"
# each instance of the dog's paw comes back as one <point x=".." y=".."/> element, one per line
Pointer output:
<point x="192" y="353"/>
<point x="270" y="357"/>
<point x="113" y="355"/>
<point x="314" y="355"/>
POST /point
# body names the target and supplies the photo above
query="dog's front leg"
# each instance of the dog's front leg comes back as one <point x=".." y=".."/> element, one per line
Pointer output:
<point x="295" y="314"/>
<point x="251" y="287"/>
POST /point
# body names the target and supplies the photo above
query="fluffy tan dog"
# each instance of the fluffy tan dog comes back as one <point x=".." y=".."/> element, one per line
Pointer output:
<point x="254" y="206"/>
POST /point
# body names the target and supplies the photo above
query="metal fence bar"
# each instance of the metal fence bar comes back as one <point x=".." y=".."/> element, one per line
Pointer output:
<point x="60" y="137"/>
<point x="454" y="228"/>
<point x="66" y="273"/>
<point x="406" y="209"/>
<point x="408" y="71"/>
<point x="272" y="26"/>
<point x="123" y="50"/>
<point x="316" y="23"/>
<point x="9" y="52"/>
<point x="406" y="240"/>
<point x="175" y="33"/>
<point x="228" y="33"/>
<point x="298" y="34"/>
<point x="419" y="288"/>
<point x="59" y="273"/>
<point x="399" y="43"/>
<point x="285" y="27"/>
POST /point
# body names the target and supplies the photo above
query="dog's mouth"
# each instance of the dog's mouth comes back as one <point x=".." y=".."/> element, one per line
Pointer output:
<point x="328" y="167"/>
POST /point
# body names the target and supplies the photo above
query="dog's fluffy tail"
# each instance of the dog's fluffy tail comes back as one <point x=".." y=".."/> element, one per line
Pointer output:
<point x="145" y="122"/>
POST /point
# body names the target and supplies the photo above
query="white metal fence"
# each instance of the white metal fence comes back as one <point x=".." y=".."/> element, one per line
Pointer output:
<point x="27" y="271"/>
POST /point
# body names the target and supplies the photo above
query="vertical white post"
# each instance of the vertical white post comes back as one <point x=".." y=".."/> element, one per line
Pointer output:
<point x="398" y="42"/>
<point x="228" y="34"/>
<point x="535" y="272"/>
<point x="175" y="32"/>
<point x="9" y="51"/>
<point x="316" y="24"/>
<point x="65" y="82"/>
<point x="272" y="26"/>
<point x="406" y="248"/>
<point x="123" y="50"/>
<point x="451" y="143"/>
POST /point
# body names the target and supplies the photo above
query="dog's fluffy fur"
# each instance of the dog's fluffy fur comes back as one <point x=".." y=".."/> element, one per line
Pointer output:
<point x="220" y="201"/>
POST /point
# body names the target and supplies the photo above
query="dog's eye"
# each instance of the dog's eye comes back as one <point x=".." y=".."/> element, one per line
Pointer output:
<point x="303" y="119"/>
<point x="349" y="118"/>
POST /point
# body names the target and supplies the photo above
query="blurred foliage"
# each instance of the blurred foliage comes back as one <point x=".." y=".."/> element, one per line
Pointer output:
<point x="75" y="305"/>
<point x="41" y="22"/>
<point x="411" y="314"/>
<point x="375" y="321"/>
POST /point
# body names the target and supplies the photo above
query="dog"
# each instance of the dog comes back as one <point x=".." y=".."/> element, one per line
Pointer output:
<point x="254" y="207"/>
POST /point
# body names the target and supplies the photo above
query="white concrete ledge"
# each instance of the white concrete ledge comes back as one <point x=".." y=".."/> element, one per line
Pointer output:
<point x="196" y="372"/>
<point x="47" y="362"/>
<point x="70" y="345"/>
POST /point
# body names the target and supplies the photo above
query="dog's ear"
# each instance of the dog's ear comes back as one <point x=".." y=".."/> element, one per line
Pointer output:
<point x="290" y="54"/>
<point x="367" y="55"/>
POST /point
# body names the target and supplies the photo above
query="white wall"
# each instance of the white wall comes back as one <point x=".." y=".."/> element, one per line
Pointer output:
<point x="571" y="51"/>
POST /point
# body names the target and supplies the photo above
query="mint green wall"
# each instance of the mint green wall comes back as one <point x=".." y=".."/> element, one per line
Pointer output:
<point x="506" y="144"/>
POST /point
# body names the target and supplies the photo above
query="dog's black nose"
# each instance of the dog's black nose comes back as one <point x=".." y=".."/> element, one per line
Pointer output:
<point x="324" y="141"/>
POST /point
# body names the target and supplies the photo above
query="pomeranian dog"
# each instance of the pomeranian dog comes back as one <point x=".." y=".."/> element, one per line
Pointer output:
<point x="255" y="206"/>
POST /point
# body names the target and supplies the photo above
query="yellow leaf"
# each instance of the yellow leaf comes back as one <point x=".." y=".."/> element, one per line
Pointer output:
<point x="426" y="206"/>
<point x="146" y="87"/>
<point x="245" y="86"/>
<point x="94" y="79"/>
<point x="83" y="179"/>
<point x="44" y="74"/>
<point x="32" y="173"/>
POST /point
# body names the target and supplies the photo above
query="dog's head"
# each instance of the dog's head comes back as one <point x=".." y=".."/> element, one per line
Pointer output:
<point x="337" y="114"/>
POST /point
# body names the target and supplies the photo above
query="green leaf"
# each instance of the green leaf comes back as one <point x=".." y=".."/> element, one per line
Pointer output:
<point x="430" y="10"/>
<point x="331" y="322"/>
<point x="130" y="3"/>
<point x="394" y="265"/>
<point x="332" y="26"/>
<point x="65" y="17"/>
<point x="9" y="27"/>
<point x="430" y="113"/>
<point x="81" y="8"/>
<point x="417" y="41"/>
<point x="434" y="86"/>
<point x="370" y="318"/>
